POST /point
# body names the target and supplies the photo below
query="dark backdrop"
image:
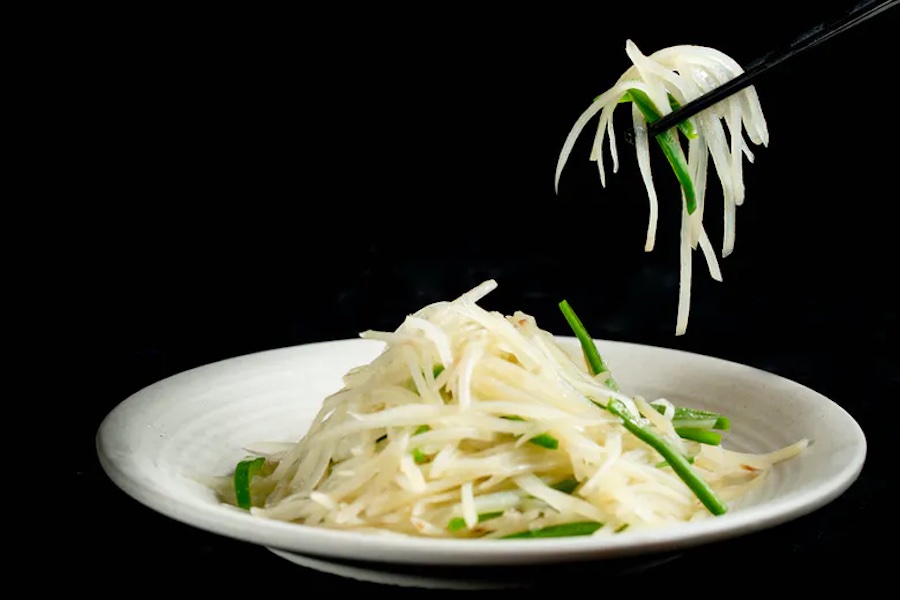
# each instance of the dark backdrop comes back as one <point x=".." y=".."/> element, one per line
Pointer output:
<point x="250" y="181"/>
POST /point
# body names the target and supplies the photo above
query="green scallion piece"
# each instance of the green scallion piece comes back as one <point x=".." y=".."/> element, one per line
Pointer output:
<point x="685" y="415"/>
<point x="243" y="474"/>
<point x="419" y="456"/>
<point x="668" y="142"/>
<point x="544" y="439"/>
<point x="661" y="464"/>
<point x="594" y="360"/>
<point x="566" y="486"/>
<point x="458" y="523"/>
<point x="697" y="434"/>
<point x="676" y="460"/>
<point x="694" y="417"/>
<point x="562" y="530"/>
<point x="686" y="126"/>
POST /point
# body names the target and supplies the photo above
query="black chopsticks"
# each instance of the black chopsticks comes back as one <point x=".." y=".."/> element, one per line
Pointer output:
<point x="818" y="34"/>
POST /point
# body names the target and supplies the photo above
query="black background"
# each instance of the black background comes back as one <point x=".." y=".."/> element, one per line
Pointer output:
<point x="245" y="181"/>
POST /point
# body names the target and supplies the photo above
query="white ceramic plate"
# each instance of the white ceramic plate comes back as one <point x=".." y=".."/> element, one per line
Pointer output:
<point x="196" y="423"/>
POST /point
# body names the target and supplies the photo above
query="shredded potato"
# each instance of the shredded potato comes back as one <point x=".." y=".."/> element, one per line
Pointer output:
<point x="682" y="73"/>
<point x="469" y="424"/>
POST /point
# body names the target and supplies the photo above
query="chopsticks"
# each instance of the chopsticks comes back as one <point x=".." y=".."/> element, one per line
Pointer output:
<point x="818" y="34"/>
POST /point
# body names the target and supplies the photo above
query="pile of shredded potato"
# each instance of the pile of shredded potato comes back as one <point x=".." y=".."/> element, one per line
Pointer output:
<point x="475" y="424"/>
<point x="682" y="73"/>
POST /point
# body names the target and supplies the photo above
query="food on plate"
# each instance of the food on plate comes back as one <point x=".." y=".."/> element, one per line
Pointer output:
<point x="472" y="424"/>
<point x="652" y="87"/>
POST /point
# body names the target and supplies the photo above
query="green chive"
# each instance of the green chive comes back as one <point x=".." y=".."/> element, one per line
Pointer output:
<point x="544" y="439"/>
<point x="458" y="523"/>
<point x="566" y="486"/>
<point x="419" y="456"/>
<point x="668" y="142"/>
<point x="243" y="475"/>
<point x="686" y="126"/>
<point x="563" y="530"/>
<point x="694" y="417"/>
<point x="696" y="434"/>
<point x="676" y="460"/>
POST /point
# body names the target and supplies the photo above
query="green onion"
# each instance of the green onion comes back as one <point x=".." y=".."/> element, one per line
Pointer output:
<point x="693" y="414"/>
<point x="663" y="463"/>
<point x="722" y="423"/>
<point x="621" y="528"/>
<point x="243" y="474"/>
<point x="458" y="523"/>
<point x="419" y="456"/>
<point x="686" y="126"/>
<point x="563" y="530"/>
<point x="668" y="141"/>
<point x="695" y="423"/>
<point x="566" y="486"/>
<point x="676" y="460"/>
<point x="587" y="344"/>
<point x="544" y="439"/>
<point x="696" y="434"/>
<point x="694" y="417"/>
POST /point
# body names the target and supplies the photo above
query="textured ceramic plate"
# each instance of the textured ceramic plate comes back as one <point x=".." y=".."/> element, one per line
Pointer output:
<point x="156" y="442"/>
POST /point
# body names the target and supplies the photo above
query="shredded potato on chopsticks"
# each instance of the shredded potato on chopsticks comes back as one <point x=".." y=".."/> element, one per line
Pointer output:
<point x="653" y="86"/>
<point x="471" y="424"/>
